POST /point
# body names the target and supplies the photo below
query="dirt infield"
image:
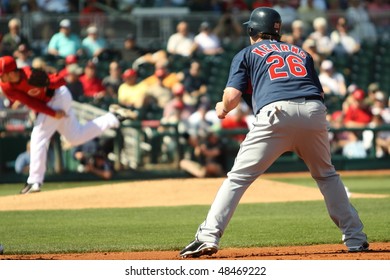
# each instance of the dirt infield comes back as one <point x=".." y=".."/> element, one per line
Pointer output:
<point x="173" y="192"/>
<point x="378" y="251"/>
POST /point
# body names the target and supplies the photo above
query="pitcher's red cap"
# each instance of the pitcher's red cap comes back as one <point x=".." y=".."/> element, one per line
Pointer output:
<point x="7" y="64"/>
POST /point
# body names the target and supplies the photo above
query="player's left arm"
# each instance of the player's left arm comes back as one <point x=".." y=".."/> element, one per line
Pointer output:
<point x="230" y="100"/>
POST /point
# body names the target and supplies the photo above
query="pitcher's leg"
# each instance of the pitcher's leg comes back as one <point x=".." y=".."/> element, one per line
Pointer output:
<point x="70" y="127"/>
<point x="77" y="133"/>
<point x="41" y="134"/>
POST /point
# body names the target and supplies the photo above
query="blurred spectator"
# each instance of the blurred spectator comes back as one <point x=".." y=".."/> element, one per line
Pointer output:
<point x="130" y="93"/>
<point x="157" y="94"/>
<point x="337" y="139"/>
<point x="371" y="90"/>
<point x="64" y="42"/>
<point x="69" y="60"/>
<point x="157" y="58"/>
<point x="72" y="78"/>
<point x="359" y="21"/>
<point x="382" y="139"/>
<point x="229" y="31"/>
<point x="380" y="106"/>
<point x="287" y="13"/>
<point x="22" y="162"/>
<point x="354" y="148"/>
<point x="130" y="50"/>
<point x="13" y="38"/>
<point x="207" y="43"/>
<point x="83" y="153"/>
<point x="54" y="6"/>
<point x="92" y="84"/>
<point x="100" y="165"/>
<point x="324" y="44"/>
<point x="195" y="86"/>
<point x="297" y="35"/>
<point x="181" y="42"/>
<point x="356" y="114"/>
<point x="174" y="119"/>
<point x="332" y="82"/>
<point x="309" y="10"/>
<point x="176" y="110"/>
<point x="93" y="45"/>
<point x="114" y="79"/>
<point x="92" y="159"/>
<point x="23" y="56"/>
<point x="380" y="118"/>
<point x="309" y="45"/>
<point x="344" y="43"/>
<point x="162" y="72"/>
<point x="199" y="123"/>
<point x="208" y="157"/>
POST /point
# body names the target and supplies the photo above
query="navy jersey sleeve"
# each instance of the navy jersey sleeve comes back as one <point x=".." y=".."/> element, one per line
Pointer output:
<point x="314" y="75"/>
<point x="238" y="75"/>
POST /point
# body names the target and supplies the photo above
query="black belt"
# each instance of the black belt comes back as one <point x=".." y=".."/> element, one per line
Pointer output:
<point x="313" y="97"/>
<point x="310" y="97"/>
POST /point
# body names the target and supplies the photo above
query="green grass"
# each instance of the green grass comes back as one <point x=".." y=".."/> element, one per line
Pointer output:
<point x="171" y="228"/>
<point x="359" y="184"/>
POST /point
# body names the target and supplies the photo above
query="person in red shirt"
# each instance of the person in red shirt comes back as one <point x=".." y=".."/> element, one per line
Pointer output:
<point x="52" y="102"/>
<point x="356" y="113"/>
<point x="92" y="84"/>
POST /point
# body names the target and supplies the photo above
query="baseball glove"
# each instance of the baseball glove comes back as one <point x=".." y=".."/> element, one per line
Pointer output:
<point x="38" y="78"/>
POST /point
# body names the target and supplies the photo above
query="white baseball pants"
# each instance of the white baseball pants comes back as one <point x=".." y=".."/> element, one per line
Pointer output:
<point x="295" y="125"/>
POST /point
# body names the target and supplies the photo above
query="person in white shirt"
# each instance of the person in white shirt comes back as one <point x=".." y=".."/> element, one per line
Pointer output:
<point x="332" y="81"/>
<point x="206" y="41"/>
<point x="344" y="43"/>
<point x="181" y="42"/>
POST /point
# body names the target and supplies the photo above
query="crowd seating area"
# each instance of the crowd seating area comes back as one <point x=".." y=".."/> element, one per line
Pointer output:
<point x="153" y="142"/>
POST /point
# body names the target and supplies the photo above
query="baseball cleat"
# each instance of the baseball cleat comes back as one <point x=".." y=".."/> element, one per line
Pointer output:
<point x="122" y="113"/>
<point x="360" y="248"/>
<point x="198" y="248"/>
<point x="31" y="188"/>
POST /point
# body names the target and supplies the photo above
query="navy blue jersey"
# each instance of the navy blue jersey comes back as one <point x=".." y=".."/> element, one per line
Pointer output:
<point x="276" y="70"/>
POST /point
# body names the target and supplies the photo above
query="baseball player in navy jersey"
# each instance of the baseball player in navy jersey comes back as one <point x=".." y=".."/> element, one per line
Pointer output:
<point x="287" y="101"/>
<point x="47" y="95"/>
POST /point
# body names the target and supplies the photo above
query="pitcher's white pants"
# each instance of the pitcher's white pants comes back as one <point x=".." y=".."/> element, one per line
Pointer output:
<point x="74" y="132"/>
<point x="295" y="125"/>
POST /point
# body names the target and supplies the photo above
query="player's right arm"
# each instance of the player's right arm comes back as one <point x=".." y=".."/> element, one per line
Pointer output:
<point x="33" y="103"/>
